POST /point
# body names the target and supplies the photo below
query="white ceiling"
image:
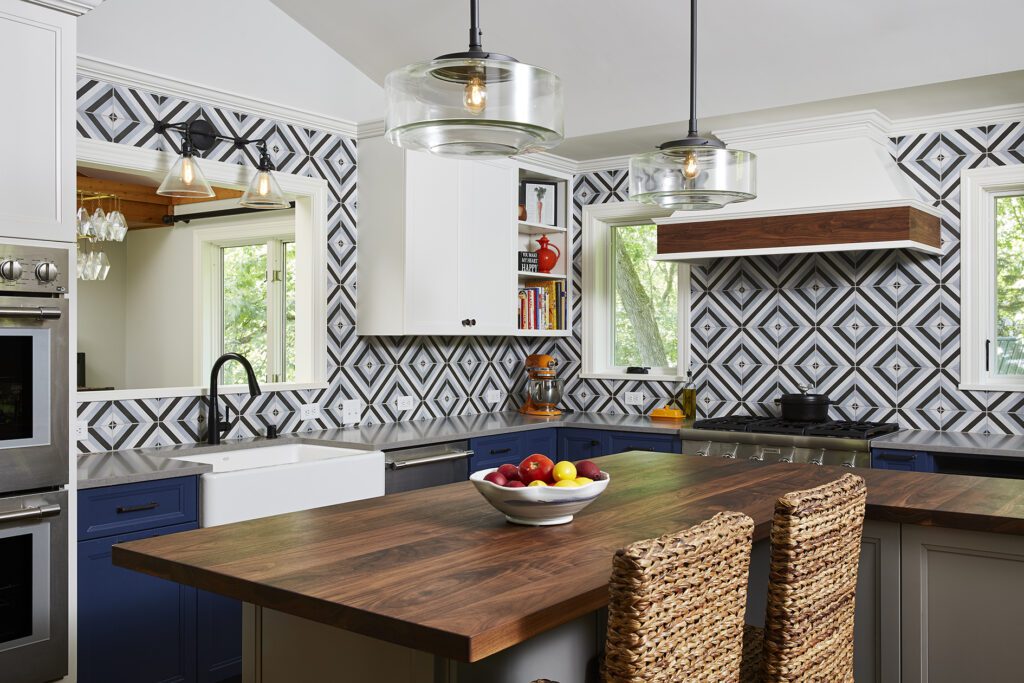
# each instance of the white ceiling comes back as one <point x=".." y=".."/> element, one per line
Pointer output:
<point x="624" y="64"/>
<point x="242" y="47"/>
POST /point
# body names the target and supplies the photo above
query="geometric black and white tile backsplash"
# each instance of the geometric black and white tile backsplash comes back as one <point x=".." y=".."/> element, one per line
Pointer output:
<point x="877" y="331"/>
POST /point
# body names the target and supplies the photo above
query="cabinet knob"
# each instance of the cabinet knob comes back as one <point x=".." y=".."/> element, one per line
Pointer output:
<point x="465" y="323"/>
<point x="473" y="322"/>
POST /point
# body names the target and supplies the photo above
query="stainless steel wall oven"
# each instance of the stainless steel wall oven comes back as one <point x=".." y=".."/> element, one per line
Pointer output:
<point x="34" y="454"/>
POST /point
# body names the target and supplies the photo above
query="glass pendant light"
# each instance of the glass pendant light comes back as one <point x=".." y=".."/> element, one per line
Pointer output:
<point x="695" y="172"/>
<point x="185" y="179"/>
<point x="474" y="103"/>
<point x="264" y="192"/>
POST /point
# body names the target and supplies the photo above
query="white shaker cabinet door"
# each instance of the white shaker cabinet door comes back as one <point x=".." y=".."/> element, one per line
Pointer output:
<point x="37" y="185"/>
<point x="487" y="286"/>
<point x="431" y="245"/>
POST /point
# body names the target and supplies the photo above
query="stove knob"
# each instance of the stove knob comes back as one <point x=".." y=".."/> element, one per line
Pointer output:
<point x="10" y="269"/>
<point x="47" y="271"/>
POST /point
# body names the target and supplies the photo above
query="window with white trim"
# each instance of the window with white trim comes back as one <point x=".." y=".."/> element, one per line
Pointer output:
<point x="248" y="299"/>
<point x="636" y="308"/>
<point x="992" y="279"/>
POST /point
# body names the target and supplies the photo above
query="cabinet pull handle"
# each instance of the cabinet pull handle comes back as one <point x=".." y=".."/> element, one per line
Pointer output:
<point x="123" y="509"/>
<point x="898" y="457"/>
<point x="496" y="451"/>
<point x="988" y="354"/>
<point x="595" y="442"/>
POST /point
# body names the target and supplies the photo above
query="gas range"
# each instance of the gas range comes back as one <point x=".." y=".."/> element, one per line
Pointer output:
<point x="771" y="439"/>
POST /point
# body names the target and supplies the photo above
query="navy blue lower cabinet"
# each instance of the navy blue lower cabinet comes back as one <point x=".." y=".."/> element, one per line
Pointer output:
<point x="219" y="629"/>
<point x="492" y="451"/>
<point x="620" y="442"/>
<point x="582" y="444"/>
<point x="132" y="628"/>
<point x="908" y="461"/>
<point x="544" y="441"/>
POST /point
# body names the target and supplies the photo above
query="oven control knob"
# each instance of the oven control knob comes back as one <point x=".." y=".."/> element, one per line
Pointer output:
<point x="10" y="269"/>
<point x="46" y="271"/>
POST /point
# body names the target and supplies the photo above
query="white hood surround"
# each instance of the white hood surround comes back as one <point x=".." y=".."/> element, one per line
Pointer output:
<point x="817" y="166"/>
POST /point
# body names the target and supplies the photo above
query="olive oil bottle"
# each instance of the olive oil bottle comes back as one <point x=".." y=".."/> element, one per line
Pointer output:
<point x="689" y="398"/>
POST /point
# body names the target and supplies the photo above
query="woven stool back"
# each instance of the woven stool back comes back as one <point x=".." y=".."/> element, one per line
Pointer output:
<point x="676" y="604"/>
<point x="815" y="538"/>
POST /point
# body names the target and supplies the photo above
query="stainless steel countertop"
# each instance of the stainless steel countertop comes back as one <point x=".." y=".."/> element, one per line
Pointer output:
<point x="123" y="467"/>
<point x="999" y="445"/>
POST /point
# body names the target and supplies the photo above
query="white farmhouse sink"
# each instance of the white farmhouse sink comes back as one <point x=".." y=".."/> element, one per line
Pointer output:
<point x="271" y="480"/>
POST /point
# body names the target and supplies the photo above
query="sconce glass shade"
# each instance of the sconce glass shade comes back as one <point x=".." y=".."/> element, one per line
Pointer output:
<point x="685" y="177"/>
<point x="185" y="179"/>
<point x="264" y="192"/>
<point x="464" y="106"/>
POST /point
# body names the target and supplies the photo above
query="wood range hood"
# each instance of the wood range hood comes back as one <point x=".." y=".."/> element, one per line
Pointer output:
<point x="841" y="193"/>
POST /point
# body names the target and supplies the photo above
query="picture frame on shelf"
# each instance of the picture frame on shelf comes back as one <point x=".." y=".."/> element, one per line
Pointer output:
<point x="540" y="197"/>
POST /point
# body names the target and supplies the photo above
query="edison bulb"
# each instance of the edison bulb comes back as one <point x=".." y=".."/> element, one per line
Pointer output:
<point x="475" y="98"/>
<point x="188" y="172"/>
<point x="690" y="168"/>
<point x="263" y="185"/>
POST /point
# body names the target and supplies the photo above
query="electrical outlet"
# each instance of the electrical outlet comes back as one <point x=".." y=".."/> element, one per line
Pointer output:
<point x="492" y="396"/>
<point x="309" y="411"/>
<point x="404" y="403"/>
<point x="351" y="411"/>
<point x="81" y="430"/>
<point x="634" y="398"/>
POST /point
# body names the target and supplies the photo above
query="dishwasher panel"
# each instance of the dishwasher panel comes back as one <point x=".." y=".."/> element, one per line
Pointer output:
<point x="408" y="469"/>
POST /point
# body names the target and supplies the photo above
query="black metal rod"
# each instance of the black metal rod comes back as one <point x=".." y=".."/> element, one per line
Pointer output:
<point x="475" y="34"/>
<point x="186" y="218"/>
<point x="182" y="127"/>
<point x="693" y="69"/>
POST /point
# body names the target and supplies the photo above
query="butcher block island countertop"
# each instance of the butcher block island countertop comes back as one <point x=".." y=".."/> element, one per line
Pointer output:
<point x="440" y="571"/>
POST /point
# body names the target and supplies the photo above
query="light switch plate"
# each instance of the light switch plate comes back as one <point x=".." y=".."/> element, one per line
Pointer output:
<point x="81" y="430"/>
<point x="351" y="411"/>
<point x="309" y="411"/>
<point x="404" y="403"/>
<point x="492" y="396"/>
<point x="634" y="398"/>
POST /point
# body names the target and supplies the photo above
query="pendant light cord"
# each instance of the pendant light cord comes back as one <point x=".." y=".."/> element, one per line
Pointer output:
<point x="475" y="40"/>
<point x="693" y="69"/>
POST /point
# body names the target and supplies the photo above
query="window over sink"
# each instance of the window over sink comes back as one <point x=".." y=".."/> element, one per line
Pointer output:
<point x="636" y="309"/>
<point x="992" y="288"/>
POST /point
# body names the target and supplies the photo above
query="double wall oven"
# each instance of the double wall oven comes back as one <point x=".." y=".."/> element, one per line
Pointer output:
<point x="34" y="452"/>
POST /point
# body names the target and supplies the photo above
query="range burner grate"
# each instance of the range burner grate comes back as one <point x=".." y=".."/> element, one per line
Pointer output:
<point x="841" y="429"/>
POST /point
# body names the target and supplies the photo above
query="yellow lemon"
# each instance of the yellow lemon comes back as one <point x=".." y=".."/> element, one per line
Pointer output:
<point x="566" y="483"/>
<point x="583" y="481"/>
<point x="537" y="482"/>
<point x="564" y="470"/>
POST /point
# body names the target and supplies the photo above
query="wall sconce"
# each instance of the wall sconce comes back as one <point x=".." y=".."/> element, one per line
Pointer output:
<point x="186" y="179"/>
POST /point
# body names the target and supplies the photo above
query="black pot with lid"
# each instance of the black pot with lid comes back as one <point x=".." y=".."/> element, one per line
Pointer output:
<point x="804" y="407"/>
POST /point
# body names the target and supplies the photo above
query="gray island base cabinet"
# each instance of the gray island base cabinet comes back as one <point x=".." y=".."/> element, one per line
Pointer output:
<point x="277" y="645"/>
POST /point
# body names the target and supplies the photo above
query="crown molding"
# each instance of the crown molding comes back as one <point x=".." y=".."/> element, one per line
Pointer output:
<point x="370" y="129"/>
<point x="960" y="119"/>
<point x="551" y="162"/>
<point x="101" y="69"/>
<point x="603" y="164"/>
<point x="870" y="123"/>
<point x="73" y="7"/>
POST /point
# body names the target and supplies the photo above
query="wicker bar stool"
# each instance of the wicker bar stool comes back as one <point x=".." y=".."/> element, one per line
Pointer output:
<point x="676" y="605"/>
<point x="808" y="634"/>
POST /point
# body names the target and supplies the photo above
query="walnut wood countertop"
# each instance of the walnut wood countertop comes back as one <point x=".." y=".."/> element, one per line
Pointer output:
<point x="439" y="570"/>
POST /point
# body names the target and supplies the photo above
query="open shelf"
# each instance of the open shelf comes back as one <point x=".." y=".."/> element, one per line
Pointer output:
<point x="543" y="333"/>
<point x="541" y="276"/>
<point x="539" y="229"/>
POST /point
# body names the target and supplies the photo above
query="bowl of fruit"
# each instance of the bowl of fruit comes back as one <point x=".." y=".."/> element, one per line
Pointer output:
<point x="540" y="492"/>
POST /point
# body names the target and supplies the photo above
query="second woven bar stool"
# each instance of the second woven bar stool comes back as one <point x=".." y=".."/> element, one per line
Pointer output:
<point x="808" y="634"/>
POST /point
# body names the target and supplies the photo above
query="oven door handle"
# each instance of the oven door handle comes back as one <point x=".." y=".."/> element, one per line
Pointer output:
<point x="451" y="455"/>
<point x="34" y="312"/>
<point x="30" y="513"/>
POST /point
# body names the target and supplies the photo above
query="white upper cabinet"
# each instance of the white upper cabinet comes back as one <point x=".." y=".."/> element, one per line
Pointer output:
<point x="37" y="187"/>
<point x="435" y="247"/>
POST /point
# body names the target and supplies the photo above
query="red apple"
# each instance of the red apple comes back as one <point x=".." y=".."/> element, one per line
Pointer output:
<point x="496" y="478"/>
<point x="536" y="467"/>
<point x="514" y="484"/>
<point x="510" y="472"/>
<point x="586" y="468"/>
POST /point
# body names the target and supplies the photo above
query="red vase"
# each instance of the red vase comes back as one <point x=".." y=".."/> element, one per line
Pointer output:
<point x="547" y="256"/>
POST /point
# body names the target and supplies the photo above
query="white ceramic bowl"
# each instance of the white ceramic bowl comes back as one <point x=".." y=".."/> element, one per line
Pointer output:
<point x="538" y="505"/>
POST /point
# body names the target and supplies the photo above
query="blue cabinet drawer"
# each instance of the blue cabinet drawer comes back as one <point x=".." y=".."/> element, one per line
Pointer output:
<point x="492" y="451"/>
<point x="620" y="442"/>
<point x="132" y="627"/>
<point x="907" y="461"/>
<point x="121" y="509"/>
<point x="581" y="444"/>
